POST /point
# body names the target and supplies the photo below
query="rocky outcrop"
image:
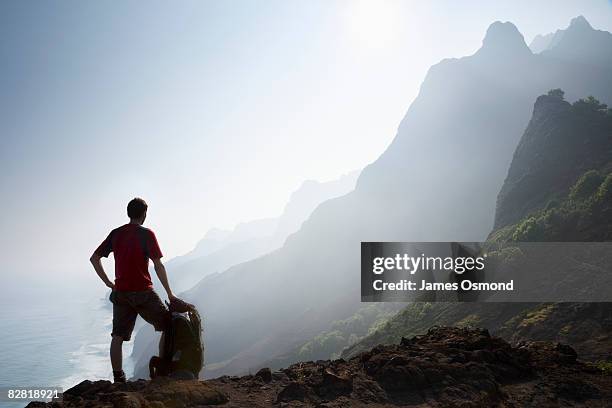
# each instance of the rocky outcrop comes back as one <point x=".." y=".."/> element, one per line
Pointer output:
<point x="504" y="38"/>
<point x="563" y="44"/>
<point x="447" y="367"/>
<point x="157" y="393"/>
<point x="560" y="144"/>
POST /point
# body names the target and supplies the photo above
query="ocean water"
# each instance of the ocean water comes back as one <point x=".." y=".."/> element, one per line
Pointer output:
<point x="56" y="338"/>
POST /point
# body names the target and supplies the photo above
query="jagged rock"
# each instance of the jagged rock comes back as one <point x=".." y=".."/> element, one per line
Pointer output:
<point x="569" y="353"/>
<point x="294" y="391"/>
<point x="447" y="367"/>
<point x="264" y="374"/>
<point x="279" y="375"/>
<point x="334" y="385"/>
<point x="182" y="375"/>
<point x="368" y="391"/>
<point x="88" y="388"/>
<point x="158" y="393"/>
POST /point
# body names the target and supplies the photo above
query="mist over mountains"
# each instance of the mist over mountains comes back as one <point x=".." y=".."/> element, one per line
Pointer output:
<point x="558" y="189"/>
<point x="437" y="181"/>
<point x="569" y="43"/>
<point x="220" y="249"/>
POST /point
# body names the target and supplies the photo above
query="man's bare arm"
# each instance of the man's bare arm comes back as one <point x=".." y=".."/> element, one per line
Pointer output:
<point x="97" y="264"/>
<point x="160" y="270"/>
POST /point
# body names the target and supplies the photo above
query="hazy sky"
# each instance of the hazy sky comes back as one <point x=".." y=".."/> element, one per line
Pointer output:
<point x="214" y="112"/>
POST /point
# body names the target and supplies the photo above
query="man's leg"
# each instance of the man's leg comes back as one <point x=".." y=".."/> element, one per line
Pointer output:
<point x="116" y="354"/>
<point x="124" y="318"/>
<point x="153" y="310"/>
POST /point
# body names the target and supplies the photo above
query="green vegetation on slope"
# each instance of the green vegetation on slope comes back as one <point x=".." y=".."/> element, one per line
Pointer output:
<point x="344" y="333"/>
<point x="329" y="344"/>
<point x="584" y="215"/>
<point x="581" y="213"/>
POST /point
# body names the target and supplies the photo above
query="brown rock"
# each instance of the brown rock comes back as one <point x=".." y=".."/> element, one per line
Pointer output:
<point x="447" y="367"/>
<point x="265" y="374"/>
<point x="294" y="391"/>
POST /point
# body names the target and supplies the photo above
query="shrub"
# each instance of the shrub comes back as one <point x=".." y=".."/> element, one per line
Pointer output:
<point x="590" y="104"/>
<point x="586" y="186"/>
<point x="605" y="367"/>
<point x="551" y="204"/>
<point x="528" y="230"/>
<point x="604" y="193"/>
<point x="557" y="93"/>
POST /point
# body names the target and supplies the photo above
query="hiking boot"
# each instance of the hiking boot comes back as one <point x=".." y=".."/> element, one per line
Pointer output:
<point x="119" y="377"/>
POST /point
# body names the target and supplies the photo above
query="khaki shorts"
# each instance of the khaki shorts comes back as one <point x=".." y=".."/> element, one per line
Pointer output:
<point x="128" y="305"/>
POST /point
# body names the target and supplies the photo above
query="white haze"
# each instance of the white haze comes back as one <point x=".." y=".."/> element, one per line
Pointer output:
<point x="212" y="111"/>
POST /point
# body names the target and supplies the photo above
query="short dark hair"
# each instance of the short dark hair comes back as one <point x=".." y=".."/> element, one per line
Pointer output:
<point x="136" y="208"/>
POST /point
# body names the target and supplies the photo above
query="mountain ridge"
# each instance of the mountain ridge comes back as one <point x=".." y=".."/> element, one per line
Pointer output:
<point x="506" y="37"/>
<point x="564" y="44"/>
<point x="555" y="191"/>
<point x="453" y="148"/>
<point x="220" y="249"/>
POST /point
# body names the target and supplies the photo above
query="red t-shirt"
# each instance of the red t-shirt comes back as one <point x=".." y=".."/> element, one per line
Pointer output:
<point x="132" y="245"/>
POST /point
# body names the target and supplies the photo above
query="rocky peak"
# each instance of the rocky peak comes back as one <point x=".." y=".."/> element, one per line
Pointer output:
<point x="579" y="27"/>
<point x="560" y="143"/>
<point x="579" y="41"/>
<point x="504" y="39"/>
<point x="580" y="23"/>
<point x="542" y="42"/>
<point x="546" y="105"/>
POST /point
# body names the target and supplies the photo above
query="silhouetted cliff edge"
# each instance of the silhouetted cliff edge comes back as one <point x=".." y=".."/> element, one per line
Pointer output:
<point x="558" y="189"/>
<point x="446" y="367"/>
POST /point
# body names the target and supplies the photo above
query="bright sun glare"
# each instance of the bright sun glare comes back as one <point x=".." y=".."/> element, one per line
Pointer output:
<point x="374" y="24"/>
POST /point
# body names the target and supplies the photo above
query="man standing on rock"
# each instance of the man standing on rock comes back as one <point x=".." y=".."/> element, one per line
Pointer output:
<point x="132" y="293"/>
